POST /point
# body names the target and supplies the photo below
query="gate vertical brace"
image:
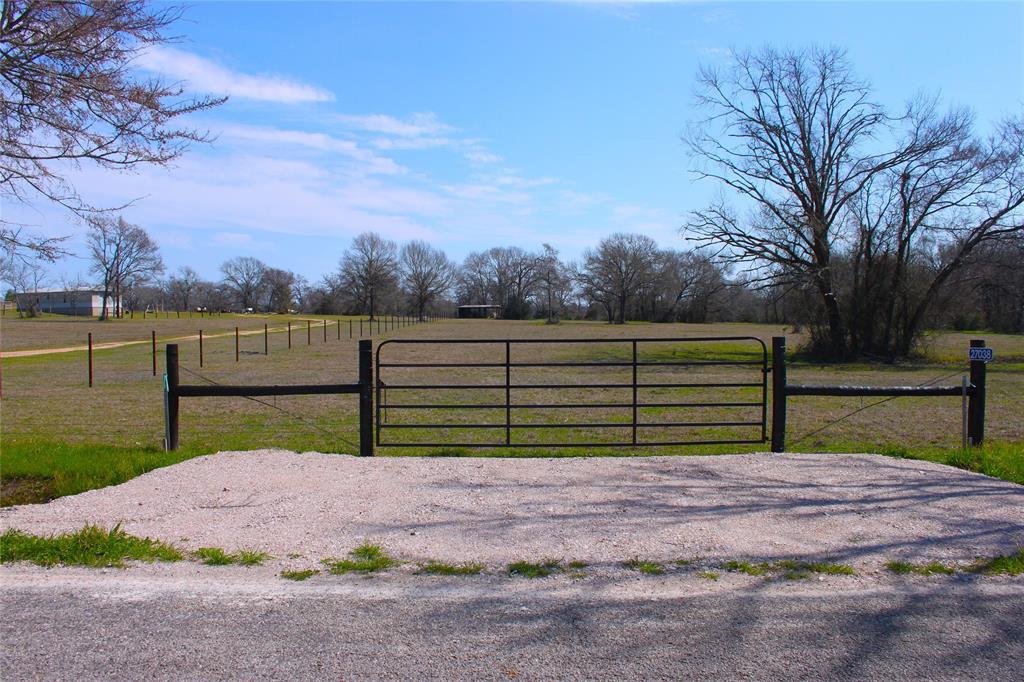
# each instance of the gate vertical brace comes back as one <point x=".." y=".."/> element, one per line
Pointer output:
<point x="778" y="394"/>
<point x="508" y="393"/>
<point x="366" y="398"/>
<point x="173" y="379"/>
<point x="976" y="402"/>
<point x="634" y="392"/>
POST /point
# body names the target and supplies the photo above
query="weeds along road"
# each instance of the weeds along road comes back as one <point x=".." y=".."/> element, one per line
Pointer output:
<point x="66" y="624"/>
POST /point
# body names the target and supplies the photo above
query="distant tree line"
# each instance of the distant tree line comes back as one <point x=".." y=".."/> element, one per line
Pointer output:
<point x="624" y="277"/>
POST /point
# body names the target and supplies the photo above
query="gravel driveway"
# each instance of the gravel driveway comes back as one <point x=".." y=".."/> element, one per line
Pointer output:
<point x="859" y="509"/>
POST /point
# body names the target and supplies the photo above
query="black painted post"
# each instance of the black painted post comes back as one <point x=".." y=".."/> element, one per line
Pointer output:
<point x="289" y="336"/>
<point x="200" y="347"/>
<point x="350" y="329"/>
<point x="266" y="340"/>
<point x="90" y="359"/>
<point x="154" y="351"/>
<point x="309" y="332"/>
<point x="778" y="394"/>
<point x="237" y="352"/>
<point x="366" y="398"/>
<point x="172" y="396"/>
<point x="325" y="331"/>
<point x="976" y="402"/>
<point x="508" y="393"/>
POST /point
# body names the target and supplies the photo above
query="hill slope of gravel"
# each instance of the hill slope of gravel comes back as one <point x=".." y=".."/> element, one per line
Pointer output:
<point x="853" y="508"/>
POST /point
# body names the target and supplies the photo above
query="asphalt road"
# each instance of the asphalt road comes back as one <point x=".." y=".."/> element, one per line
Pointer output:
<point x="122" y="627"/>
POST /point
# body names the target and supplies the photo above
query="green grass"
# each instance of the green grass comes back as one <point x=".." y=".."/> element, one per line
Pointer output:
<point x="90" y="546"/>
<point x="746" y="567"/>
<point x="366" y="558"/>
<point x="708" y="575"/>
<point x="1010" y="564"/>
<point x="441" y="568"/>
<point x="800" y="570"/>
<point x="215" y="556"/>
<point x="644" y="566"/>
<point x="41" y="471"/>
<point x="577" y="564"/>
<point x="931" y="568"/>
<point x="526" y="569"/>
<point x="299" y="575"/>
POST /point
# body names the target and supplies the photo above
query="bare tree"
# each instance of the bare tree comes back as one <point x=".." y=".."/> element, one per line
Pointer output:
<point x="921" y="221"/>
<point x="68" y="94"/>
<point x="796" y="135"/>
<point x="122" y="254"/>
<point x="24" y="275"/>
<point x="427" y="274"/>
<point x="555" y="282"/>
<point x="279" y="288"/>
<point x="244" y="277"/>
<point x="369" y="270"/>
<point x="181" y="287"/>
<point x="618" y="269"/>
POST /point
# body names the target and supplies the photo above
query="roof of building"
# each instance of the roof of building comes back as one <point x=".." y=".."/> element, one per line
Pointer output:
<point x="97" y="290"/>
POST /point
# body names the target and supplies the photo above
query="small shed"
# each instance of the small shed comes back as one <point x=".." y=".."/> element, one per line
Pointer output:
<point x="492" y="312"/>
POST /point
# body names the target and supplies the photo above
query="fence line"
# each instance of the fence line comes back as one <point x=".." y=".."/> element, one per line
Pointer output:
<point x="391" y="323"/>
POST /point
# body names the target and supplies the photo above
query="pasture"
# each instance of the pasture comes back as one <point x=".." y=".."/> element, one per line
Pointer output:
<point x="52" y="420"/>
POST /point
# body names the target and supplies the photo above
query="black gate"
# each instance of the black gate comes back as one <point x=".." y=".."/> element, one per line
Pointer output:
<point x="514" y="393"/>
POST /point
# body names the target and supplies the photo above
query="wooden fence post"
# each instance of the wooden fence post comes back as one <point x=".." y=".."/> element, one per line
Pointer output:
<point x="366" y="398"/>
<point x="172" y="397"/>
<point x="289" y="336"/>
<point x="778" y="394"/>
<point x="325" y="331"/>
<point x="154" y="351"/>
<point x="90" y="359"/>
<point x="200" y="347"/>
<point x="976" y="401"/>
<point x="266" y="340"/>
<point x="309" y="332"/>
<point x="236" y="344"/>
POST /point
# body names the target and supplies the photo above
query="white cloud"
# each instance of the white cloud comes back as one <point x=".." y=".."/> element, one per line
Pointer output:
<point x="208" y="76"/>
<point x="416" y="125"/>
<point x="370" y="163"/>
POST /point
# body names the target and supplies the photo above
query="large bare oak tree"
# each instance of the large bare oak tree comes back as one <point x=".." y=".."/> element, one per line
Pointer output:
<point x="817" y="164"/>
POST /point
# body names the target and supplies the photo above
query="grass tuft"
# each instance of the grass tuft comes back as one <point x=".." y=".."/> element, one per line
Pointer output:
<point x="644" y="566"/>
<point x="366" y="558"/>
<point x="215" y="556"/>
<point x="299" y="575"/>
<point x="526" y="569"/>
<point x="708" y="575"/>
<point x="441" y="568"/>
<point x="90" y="546"/>
<point x="576" y="565"/>
<point x="747" y="567"/>
<point x="900" y="567"/>
<point x="1010" y="564"/>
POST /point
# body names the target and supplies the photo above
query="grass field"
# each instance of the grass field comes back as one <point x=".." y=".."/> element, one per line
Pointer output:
<point x="60" y="436"/>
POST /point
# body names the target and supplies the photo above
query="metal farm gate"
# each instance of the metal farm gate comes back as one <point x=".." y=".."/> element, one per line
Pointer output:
<point x="520" y="393"/>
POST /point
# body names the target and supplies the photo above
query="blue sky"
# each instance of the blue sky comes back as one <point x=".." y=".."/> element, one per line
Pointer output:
<point x="472" y="125"/>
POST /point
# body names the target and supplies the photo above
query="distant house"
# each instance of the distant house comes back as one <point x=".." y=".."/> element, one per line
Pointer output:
<point x="471" y="311"/>
<point x="87" y="301"/>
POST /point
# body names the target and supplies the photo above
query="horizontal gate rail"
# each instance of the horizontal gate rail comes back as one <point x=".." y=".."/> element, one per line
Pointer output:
<point x="634" y="425"/>
<point x="862" y="391"/>
<point x="174" y="391"/>
<point x="971" y="392"/>
<point x="222" y="391"/>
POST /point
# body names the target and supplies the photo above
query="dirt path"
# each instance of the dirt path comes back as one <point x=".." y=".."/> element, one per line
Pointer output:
<point x="120" y="344"/>
<point x="858" y="509"/>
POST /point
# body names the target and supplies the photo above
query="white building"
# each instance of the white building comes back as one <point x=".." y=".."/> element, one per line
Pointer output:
<point x="86" y="301"/>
